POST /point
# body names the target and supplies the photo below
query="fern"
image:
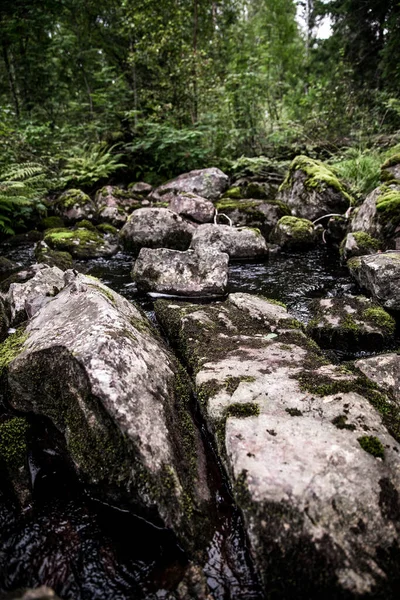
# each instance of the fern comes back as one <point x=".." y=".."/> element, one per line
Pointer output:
<point x="89" y="164"/>
<point x="22" y="189"/>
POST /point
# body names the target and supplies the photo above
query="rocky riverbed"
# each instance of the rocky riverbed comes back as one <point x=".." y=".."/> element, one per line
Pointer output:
<point x="191" y="409"/>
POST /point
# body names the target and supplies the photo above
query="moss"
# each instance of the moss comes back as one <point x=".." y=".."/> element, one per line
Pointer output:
<point x="366" y="241"/>
<point x="72" y="197"/>
<point x="255" y="230"/>
<point x="81" y="243"/>
<point x="372" y="445"/>
<point x="107" y="228"/>
<point x="232" y="383"/>
<point x="104" y="291"/>
<point x="231" y="204"/>
<point x="294" y="412"/>
<point x="86" y="225"/>
<point x="11" y="348"/>
<point x="53" y="258"/>
<point x="242" y="410"/>
<point x="379" y="317"/>
<point x="341" y="423"/>
<point x="388" y="207"/>
<point x="348" y="324"/>
<point x="354" y="263"/>
<point x="13" y="446"/>
<point x="319" y="176"/>
<point x="208" y="389"/>
<point x="233" y="192"/>
<point x="52" y="223"/>
<point x="272" y="301"/>
<point x="301" y="230"/>
<point x="391" y="162"/>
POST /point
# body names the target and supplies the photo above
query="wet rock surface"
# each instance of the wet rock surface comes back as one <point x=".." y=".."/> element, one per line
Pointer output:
<point x="190" y="273"/>
<point x="297" y="436"/>
<point x="380" y="275"/>
<point x="237" y="243"/>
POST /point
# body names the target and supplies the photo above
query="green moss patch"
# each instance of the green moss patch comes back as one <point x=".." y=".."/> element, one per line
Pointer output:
<point x="366" y="242"/>
<point x="11" y="348"/>
<point x="294" y="412"/>
<point x="242" y="410"/>
<point x="73" y="197"/>
<point x="379" y="317"/>
<point x="52" y="223"/>
<point x="300" y="229"/>
<point x="319" y="176"/>
<point x="341" y="423"/>
<point x="13" y="447"/>
<point x="107" y="228"/>
<point x="372" y="445"/>
<point x="388" y="207"/>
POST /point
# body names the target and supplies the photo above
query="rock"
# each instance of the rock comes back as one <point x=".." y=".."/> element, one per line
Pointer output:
<point x="379" y="215"/>
<point x="258" y="169"/>
<point x="293" y="233"/>
<point x="358" y="243"/>
<point x="380" y="275"/>
<point x="14" y="450"/>
<point x="384" y="371"/>
<point x="350" y="324"/>
<point x="46" y="283"/>
<point x="191" y="206"/>
<point x="7" y="266"/>
<point x="336" y="229"/>
<point x="309" y="457"/>
<point x="114" y="205"/>
<point x="190" y="273"/>
<point x="92" y="363"/>
<point x="41" y="593"/>
<point x="53" y="258"/>
<point x="74" y="205"/>
<point x="52" y="223"/>
<point x="81" y="243"/>
<point x="156" y="228"/>
<point x="4" y="321"/>
<point x="238" y="243"/>
<point x="390" y="170"/>
<point x="259" y="214"/>
<point x="141" y="188"/>
<point x="312" y="190"/>
<point x="250" y="189"/>
<point x="207" y="183"/>
<point x="20" y="277"/>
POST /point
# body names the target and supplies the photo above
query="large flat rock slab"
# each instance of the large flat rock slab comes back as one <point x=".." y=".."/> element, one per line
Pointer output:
<point x="309" y="447"/>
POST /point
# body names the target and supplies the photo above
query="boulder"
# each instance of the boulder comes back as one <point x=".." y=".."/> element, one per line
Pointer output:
<point x="156" y="228"/>
<point x="259" y="214"/>
<point x="249" y="188"/>
<point x="4" y="321"/>
<point x="53" y="258"/>
<point x="114" y="205"/>
<point x="293" y="233"/>
<point x="190" y="273"/>
<point x="92" y="363"/>
<point x="140" y="188"/>
<point x="390" y="170"/>
<point x="24" y="299"/>
<point x="312" y="190"/>
<point x="74" y="205"/>
<point x="306" y="446"/>
<point x="192" y="207"/>
<point x="350" y="324"/>
<point x="379" y="214"/>
<point x="51" y="223"/>
<point x="207" y="183"/>
<point x="80" y="242"/>
<point x="380" y="275"/>
<point x="358" y="243"/>
<point x="238" y="243"/>
<point x="20" y="277"/>
<point x="384" y="371"/>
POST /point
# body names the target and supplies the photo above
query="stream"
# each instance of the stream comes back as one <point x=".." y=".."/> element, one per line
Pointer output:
<point x="87" y="550"/>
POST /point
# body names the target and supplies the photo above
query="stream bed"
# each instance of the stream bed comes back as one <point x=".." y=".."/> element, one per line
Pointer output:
<point x="87" y="550"/>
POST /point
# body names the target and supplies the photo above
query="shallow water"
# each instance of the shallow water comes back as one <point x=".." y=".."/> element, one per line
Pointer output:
<point x="87" y="550"/>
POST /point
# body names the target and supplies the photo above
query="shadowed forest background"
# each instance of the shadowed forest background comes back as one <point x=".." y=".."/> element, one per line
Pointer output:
<point x="144" y="90"/>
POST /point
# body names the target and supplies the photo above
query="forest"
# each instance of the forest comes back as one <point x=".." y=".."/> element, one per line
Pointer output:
<point x="145" y="91"/>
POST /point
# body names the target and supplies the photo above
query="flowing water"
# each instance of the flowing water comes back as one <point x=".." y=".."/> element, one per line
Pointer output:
<point x="86" y="550"/>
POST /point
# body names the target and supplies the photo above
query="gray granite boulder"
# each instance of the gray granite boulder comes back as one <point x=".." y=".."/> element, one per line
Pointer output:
<point x="350" y="324"/>
<point x="312" y="190"/>
<point x="380" y="275"/>
<point x="308" y="453"/>
<point x="259" y="214"/>
<point x="190" y="273"/>
<point x="156" y="228"/>
<point x="114" y="205"/>
<point x="379" y="215"/>
<point x="74" y="205"/>
<point x="207" y="183"/>
<point x="191" y="206"/>
<point x="238" y="243"/>
<point x="93" y="364"/>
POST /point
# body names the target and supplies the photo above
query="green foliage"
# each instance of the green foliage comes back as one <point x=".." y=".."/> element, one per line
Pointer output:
<point x="360" y="168"/>
<point x="22" y="190"/>
<point x="90" y="164"/>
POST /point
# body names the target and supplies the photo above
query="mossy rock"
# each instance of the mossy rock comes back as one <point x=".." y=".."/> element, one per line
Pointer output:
<point x="358" y="243"/>
<point x="81" y="243"/>
<point x="388" y="208"/>
<point x="108" y="229"/>
<point x="52" y="223"/>
<point x="390" y="170"/>
<point x="293" y="233"/>
<point x="53" y="258"/>
<point x="73" y="197"/>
